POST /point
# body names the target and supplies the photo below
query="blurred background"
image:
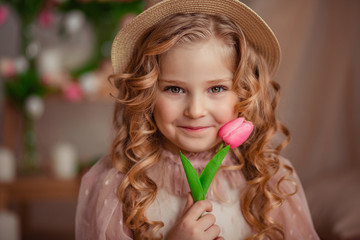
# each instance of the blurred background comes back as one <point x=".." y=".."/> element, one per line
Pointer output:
<point x="56" y="110"/>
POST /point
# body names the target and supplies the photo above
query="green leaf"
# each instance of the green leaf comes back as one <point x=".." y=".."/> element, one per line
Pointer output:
<point x="17" y="90"/>
<point x="200" y="186"/>
<point x="211" y="168"/>
<point x="193" y="179"/>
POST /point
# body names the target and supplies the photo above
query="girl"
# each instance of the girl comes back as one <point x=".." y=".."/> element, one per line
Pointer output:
<point x="184" y="68"/>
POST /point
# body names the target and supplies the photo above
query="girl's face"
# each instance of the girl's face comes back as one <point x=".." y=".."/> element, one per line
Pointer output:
<point x="195" y="95"/>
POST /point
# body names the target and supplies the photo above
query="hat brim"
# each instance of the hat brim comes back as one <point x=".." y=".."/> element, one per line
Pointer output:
<point x="256" y="31"/>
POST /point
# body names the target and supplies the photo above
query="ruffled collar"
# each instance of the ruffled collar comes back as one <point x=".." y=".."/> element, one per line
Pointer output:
<point x="169" y="175"/>
<point x="198" y="160"/>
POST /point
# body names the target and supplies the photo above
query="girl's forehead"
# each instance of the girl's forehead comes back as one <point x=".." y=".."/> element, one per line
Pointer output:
<point x="203" y="60"/>
<point x="213" y="47"/>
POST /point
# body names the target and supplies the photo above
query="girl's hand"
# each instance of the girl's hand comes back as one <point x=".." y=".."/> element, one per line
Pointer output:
<point x="191" y="227"/>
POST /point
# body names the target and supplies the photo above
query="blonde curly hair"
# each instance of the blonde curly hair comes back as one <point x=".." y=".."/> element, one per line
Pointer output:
<point x="137" y="143"/>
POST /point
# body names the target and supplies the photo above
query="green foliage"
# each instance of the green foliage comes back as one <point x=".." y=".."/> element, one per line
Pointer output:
<point x="104" y="18"/>
<point x="27" y="10"/>
<point x="17" y="90"/>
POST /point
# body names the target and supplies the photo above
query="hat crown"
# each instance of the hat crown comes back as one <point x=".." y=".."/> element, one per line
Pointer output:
<point x="256" y="31"/>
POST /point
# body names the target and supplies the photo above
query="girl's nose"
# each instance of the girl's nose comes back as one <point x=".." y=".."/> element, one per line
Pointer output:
<point x="196" y="107"/>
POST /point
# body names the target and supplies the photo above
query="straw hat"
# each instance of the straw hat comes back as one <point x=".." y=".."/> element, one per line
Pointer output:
<point x="256" y="31"/>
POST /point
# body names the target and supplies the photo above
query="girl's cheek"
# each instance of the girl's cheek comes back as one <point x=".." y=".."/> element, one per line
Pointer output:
<point x="225" y="111"/>
<point x="165" y="109"/>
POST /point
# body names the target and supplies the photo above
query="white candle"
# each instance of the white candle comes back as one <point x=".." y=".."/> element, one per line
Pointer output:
<point x="7" y="165"/>
<point x="64" y="160"/>
<point x="9" y="225"/>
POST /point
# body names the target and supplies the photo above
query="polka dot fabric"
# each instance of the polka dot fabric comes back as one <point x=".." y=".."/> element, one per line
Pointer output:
<point x="99" y="212"/>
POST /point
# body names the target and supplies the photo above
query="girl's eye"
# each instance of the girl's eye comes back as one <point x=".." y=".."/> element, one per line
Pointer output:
<point x="217" y="89"/>
<point x="174" y="89"/>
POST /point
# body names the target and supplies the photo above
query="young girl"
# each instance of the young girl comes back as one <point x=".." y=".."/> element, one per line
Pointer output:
<point x="184" y="68"/>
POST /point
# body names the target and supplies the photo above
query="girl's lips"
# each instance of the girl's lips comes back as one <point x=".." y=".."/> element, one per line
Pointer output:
<point x="194" y="129"/>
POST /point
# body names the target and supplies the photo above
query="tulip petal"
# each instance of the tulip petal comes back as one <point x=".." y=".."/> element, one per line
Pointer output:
<point x="230" y="126"/>
<point x="239" y="135"/>
<point x="235" y="132"/>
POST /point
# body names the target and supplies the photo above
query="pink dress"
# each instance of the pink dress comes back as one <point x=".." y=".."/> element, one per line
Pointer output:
<point x="99" y="212"/>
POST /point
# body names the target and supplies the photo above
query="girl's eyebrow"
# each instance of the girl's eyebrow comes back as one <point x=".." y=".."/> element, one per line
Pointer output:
<point x="175" y="82"/>
<point x="219" y="81"/>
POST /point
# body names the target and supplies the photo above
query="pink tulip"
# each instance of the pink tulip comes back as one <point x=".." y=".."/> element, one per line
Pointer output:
<point x="236" y="132"/>
<point x="45" y="18"/>
<point x="73" y="92"/>
<point x="4" y="12"/>
<point x="7" y="68"/>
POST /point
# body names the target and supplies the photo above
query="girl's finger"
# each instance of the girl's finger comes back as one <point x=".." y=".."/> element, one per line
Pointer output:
<point x="198" y="208"/>
<point x="189" y="202"/>
<point x="206" y="221"/>
<point x="219" y="238"/>
<point x="213" y="232"/>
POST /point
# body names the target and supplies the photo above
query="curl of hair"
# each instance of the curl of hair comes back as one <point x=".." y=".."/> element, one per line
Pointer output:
<point x="136" y="145"/>
<point x="259" y="96"/>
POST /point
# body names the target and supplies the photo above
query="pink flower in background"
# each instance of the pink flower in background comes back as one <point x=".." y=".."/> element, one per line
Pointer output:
<point x="45" y="18"/>
<point x="7" y="68"/>
<point x="73" y="92"/>
<point x="236" y="132"/>
<point x="4" y="12"/>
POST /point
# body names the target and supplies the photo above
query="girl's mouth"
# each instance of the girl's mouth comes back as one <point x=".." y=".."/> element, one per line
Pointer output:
<point x="194" y="128"/>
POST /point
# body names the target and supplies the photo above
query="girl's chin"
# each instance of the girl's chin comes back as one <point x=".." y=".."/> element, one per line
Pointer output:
<point x="190" y="149"/>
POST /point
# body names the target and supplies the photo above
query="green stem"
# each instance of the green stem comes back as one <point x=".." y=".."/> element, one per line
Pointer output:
<point x="29" y="154"/>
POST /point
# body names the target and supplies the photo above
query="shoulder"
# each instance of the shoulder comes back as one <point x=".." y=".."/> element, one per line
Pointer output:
<point x="102" y="170"/>
<point x="293" y="214"/>
<point x="102" y="179"/>
<point x="98" y="205"/>
<point x="286" y="172"/>
<point x="287" y="181"/>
